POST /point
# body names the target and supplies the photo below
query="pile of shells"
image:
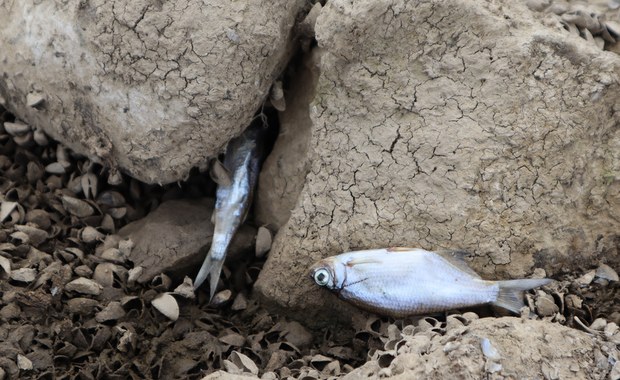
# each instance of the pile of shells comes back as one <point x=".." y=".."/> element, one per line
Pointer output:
<point x="595" y="21"/>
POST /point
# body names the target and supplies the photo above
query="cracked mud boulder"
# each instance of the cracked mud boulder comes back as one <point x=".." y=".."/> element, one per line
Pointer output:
<point x="449" y="124"/>
<point x="493" y="348"/>
<point x="155" y="88"/>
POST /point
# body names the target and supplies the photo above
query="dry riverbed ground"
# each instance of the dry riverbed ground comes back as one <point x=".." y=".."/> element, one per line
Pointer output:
<point x="70" y="307"/>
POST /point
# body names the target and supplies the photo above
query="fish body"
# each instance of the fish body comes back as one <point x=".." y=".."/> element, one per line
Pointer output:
<point x="242" y="161"/>
<point x="407" y="281"/>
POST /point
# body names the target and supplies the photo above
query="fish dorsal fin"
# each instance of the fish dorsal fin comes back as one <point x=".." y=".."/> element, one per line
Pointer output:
<point x="360" y="261"/>
<point x="457" y="258"/>
<point x="401" y="249"/>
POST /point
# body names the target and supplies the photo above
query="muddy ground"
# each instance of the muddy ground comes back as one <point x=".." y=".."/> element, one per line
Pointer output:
<point x="58" y="211"/>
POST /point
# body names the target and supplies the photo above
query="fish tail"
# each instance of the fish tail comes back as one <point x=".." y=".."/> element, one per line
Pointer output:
<point x="510" y="294"/>
<point x="211" y="268"/>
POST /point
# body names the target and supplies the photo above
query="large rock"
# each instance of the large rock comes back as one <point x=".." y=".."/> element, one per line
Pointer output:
<point x="153" y="87"/>
<point x="453" y="124"/>
<point x="284" y="171"/>
<point x="176" y="236"/>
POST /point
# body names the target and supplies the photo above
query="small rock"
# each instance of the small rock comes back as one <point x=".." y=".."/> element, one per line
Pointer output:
<point x="16" y="129"/>
<point x="538" y="5"/>
<point x="24" y="363"/>
<point x="104" y="274"/>
<point x="55" y="168"/>
<point x="134" y="274"/>
<point x="39" y="217"/>
<point x="243" y="362"/>
<point x="114" y="255"/>
<point x="83" y="306"/>
<point x="263" y="242"/>
<point x="598" y="324"/>
<point x="586" y="278"/>
<point x="5" y="265"/>
<point x="125" y="246"/>
<point x="77" y="207"/>
<point x="240" y="302"/>
<point x="84" y="286"/>
<point x="23" y="275"/>
<point x="220" y="298"/>
<point x="573" y="301"/>
<point x="10" y="311"/>
<point x="112" y="312"/>
<point x="545" y="304"/>
<point x="298" y="335"/>
<point x="489" y="351"/>
<point x="40" y="137"/>
<point x="167" y="305"/>
<point x="83" y="271"/>
<point x="91" y="235"/>
<point x="610" y="329"/>
<point x="606" y="272"/>
<point x="186" y="289"/>
<point x="36" y="236"/>
<point x="35" y="99"/>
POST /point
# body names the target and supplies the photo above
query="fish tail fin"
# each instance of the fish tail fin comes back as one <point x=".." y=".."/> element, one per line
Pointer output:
<point x="211" y="268"/>
<point x="510" y="294"/>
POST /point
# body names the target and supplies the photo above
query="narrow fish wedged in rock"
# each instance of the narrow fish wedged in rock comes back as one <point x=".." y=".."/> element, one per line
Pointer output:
<point x="242" y="161"/>
<point x="406" y="281"/>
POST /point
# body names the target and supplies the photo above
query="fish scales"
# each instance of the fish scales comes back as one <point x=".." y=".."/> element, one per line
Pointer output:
<point x="400" y="282"/>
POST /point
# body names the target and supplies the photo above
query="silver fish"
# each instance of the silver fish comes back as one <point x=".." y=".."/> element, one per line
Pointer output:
<point x="242" y="162"/>
<point x="406" y="281"/>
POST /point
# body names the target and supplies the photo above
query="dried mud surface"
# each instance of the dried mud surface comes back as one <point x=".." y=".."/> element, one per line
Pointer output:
<point x="71" y="306"/>
<point x="448" y="124"/>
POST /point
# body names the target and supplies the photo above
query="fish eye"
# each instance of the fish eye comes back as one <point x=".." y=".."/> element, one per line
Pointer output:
<point x="322" y="276"/>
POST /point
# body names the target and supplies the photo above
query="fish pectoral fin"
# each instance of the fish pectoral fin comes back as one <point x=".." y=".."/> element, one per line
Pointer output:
<point x="219" y="173"/>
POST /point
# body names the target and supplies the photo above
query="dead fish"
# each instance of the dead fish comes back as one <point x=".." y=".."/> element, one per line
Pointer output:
<point x="242" y="162"/>
<point x="405" y="281"/>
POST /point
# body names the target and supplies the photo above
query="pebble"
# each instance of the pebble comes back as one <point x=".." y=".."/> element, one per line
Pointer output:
<point x="489" y="351"/>
<point x="90" y="235"/>
<point x="610" y="329"/>
<point x="263" y="242"/>
<point x="186" y="289"/>
<point x="104" y="274"/>
<point x="114" y="255"/>
<point x="134" y="274"/>
<point x="606" y="272"/>
<point x="16" y="129"/>
<point x="81" y="305"/>
<point x="24" y="363"/>
<point x="34" y="99"/>
<point x="5" y="264"/>
<point x="84" y="286"/>
<point x="112" y="312"/>
<point x="586" y="278"/>
<point x="545" y="305"/>
<point x="598" y="324"/>
<point x="23" y="275"/>
<point x="240" y="302"/>
<point x="222" y="297"/>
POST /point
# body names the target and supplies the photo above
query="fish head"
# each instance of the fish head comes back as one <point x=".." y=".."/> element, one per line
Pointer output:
<point x="329" y="273"/>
